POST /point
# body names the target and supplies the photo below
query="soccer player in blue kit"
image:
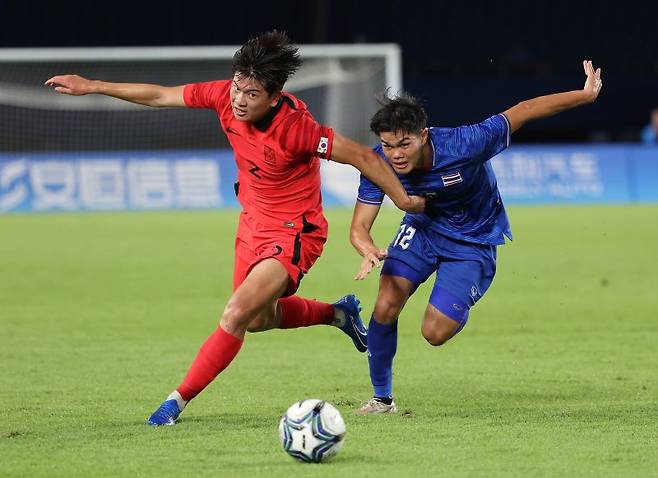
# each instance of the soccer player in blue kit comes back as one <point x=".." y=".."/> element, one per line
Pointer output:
<point x="457" y="235"/>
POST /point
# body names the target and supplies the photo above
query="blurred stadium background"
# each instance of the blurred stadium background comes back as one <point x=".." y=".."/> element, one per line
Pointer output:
<point x="465" y="61"/>
<point x="99" y="313"/>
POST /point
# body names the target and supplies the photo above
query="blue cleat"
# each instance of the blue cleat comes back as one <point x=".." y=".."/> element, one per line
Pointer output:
<point x="166" y="414"/>
<point x="352" y="325"/>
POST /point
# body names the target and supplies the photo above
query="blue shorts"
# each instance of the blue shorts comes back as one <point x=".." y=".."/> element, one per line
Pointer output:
<point x="464" y="271"/>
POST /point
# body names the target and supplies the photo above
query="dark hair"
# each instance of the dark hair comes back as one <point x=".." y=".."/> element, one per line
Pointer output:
<point x="398" y="113"/>
<point x="269" y="59"/>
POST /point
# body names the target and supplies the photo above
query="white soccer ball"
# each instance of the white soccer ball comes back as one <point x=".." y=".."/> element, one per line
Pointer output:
<point x="312" y="431"/>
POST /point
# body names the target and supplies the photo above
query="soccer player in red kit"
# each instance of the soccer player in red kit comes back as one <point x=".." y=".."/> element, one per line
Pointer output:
<point x="282" y="230"/>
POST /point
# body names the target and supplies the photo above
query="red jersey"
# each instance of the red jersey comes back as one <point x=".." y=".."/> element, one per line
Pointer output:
<point x="277" y="158"/>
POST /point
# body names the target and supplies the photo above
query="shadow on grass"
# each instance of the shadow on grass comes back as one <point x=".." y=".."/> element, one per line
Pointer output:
<point x="249" y="421"/>
<point x="229" y="420"/>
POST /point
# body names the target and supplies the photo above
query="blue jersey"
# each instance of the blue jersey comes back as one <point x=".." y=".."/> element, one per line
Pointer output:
<point x="463" y="201"/>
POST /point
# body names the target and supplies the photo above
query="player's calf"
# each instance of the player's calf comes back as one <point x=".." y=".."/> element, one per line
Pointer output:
<point x="266" y="320"/>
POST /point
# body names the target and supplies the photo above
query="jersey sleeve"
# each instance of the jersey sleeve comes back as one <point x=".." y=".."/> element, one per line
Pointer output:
<point x="482" y="141"/>
<point x="305" y="137"/>
<point x="210" y="94"/>
<point x="369" y="192"/>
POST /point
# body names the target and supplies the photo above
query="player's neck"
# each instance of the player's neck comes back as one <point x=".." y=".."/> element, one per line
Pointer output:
<point x="264" y="122"/>
<point x="428" y="155"/>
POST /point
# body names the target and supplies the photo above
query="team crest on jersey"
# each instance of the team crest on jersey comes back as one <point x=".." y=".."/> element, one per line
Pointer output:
<point x="450" y="179"/>
<point x="323" y="145"/>
<point x="269" y="156"/>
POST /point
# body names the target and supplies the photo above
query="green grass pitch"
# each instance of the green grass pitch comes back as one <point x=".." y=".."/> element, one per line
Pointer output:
<point x="556" y="373"/>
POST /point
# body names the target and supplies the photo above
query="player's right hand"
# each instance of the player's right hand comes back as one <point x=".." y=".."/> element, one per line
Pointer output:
<point x="71" y="84"/>
<point x="416" y="204"/>
<point x="594" y="83"/>
<point x="370" y="260"/>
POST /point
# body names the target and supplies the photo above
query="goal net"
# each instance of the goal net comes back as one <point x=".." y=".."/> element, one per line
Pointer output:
<point x="339" y="83"/>
<point x="52" y="144"/>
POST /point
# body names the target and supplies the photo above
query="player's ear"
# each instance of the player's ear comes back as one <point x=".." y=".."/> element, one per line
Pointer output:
<point x="423" y="135"/>
<point x="274" y="99"/>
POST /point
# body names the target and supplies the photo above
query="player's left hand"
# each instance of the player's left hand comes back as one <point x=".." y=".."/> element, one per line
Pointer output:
<point x="370" y="260"/>
<point x="594" y="83"/>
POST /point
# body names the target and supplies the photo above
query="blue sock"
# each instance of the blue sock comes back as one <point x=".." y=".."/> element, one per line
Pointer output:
<point x="382" y="345"/>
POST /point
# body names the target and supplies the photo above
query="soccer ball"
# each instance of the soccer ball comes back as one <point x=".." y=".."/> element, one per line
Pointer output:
<point x="312" y="431"/>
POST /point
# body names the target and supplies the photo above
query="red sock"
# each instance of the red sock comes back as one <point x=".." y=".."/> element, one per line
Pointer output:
<point x="299" y="312"/>
<point x="215" y="355"/>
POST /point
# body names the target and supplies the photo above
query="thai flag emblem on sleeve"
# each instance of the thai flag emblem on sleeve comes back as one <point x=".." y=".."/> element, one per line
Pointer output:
<point x="450" y="179"/>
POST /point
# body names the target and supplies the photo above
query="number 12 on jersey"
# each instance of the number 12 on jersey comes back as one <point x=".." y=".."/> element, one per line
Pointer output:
<point x="405" y="236"/>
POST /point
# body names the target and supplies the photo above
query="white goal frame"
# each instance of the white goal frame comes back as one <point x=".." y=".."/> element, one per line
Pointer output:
<point x="389" y="51"/>
<point x="328" y="73"/>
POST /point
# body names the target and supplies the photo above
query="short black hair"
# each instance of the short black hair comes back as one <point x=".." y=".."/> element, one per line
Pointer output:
<point x="398" y="113"/>
<point x="269" y="58"/>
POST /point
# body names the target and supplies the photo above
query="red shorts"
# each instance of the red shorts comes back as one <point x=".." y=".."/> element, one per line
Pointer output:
<point x="297" y="248"/>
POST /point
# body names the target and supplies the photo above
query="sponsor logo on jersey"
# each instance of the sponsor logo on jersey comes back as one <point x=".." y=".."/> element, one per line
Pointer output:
<point x="450" y="179"/>
<point x="323" y="145"/>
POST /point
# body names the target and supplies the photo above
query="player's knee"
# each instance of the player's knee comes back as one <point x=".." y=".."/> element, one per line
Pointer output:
<point x="387" y="311"/>
<point x="437" y="338"/>
<point x="236" y="314"/>
<point x="438" y="330"/>
<point x="445" y="316"/>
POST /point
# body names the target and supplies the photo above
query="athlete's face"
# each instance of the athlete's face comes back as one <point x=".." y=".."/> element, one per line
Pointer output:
<point x="404" y="150"/>
<point x="249" y="100"/>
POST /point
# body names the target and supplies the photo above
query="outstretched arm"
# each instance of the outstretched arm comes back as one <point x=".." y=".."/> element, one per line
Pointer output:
<point x="140" y="93"/>
<point x="549" y="105"/>
<point x="364" y="159"/>
<point x="362" y="220"/>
